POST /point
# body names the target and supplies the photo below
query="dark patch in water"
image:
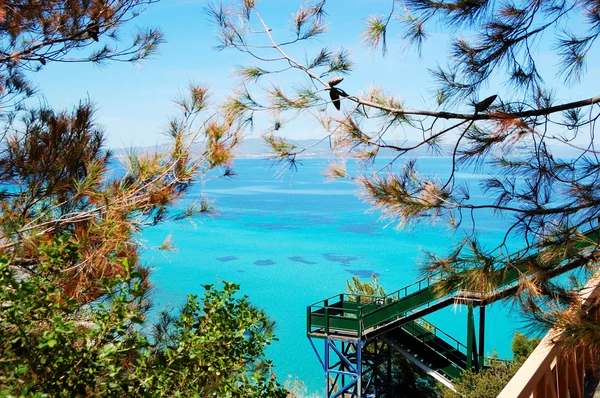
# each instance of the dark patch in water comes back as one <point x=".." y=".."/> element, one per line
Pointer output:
<point x="272" y="226"/>
<point x="302" y="260"/>
<point x="240" y="270"/>
<point x="362" y="273"/>
<point x="308" y="220"/>
<point x="227" y="259"/>
<point x="363" y="229"/>
<point x="264" y="262"/>
<point x="337" y="258"/>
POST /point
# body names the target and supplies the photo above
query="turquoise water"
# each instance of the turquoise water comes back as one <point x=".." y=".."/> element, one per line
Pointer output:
<point x="294" y="239"/>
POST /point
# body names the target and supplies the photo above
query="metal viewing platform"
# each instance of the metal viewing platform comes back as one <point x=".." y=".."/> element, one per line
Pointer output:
<point x="358" y="333"/>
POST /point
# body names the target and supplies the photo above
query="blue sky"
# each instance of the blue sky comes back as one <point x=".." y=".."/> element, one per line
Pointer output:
<point x="135" y="101"/>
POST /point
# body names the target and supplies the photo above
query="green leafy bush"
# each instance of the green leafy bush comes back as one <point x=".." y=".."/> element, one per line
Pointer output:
<point x="491" y="381"/>
<point x="52" y="346"/>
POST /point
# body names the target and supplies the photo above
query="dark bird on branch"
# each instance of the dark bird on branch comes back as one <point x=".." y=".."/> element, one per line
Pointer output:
<point x="334" y="94"/>
<point x="93" y="30"/>
<point x="42" y="60"/>
<point x="335" y="97"/>
<point x="483" y="105"/>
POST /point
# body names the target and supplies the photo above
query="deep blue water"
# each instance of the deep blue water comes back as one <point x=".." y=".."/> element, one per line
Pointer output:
<point x="295" y="239"/>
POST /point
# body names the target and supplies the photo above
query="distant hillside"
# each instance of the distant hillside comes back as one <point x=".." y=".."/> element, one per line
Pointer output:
<point x="256" y="148"/>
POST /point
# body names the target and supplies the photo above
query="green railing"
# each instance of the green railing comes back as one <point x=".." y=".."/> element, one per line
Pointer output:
<point x="354" y="314"/>
<point x="426" y="332"/>
<point x="449" y="354"/>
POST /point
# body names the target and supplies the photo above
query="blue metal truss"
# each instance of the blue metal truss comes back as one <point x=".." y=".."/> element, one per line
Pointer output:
<point x="355" y="368"/>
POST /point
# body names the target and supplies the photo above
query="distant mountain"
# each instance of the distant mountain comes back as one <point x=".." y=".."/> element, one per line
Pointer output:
<point x="256" y="148"/>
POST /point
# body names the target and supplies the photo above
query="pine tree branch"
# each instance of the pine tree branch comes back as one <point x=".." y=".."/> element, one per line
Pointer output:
<point x="419" y="112"/>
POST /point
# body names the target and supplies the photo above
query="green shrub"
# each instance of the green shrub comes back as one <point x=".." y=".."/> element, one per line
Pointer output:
<point x="52" y="346"/>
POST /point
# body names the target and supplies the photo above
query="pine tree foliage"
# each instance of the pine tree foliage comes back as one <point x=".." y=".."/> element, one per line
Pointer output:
<point x="514" y="132"/>
<point x="74" y="295"/>
<point x="365" y="291"/>
<point x="34" y="33"/>
<point x="55" y="181"/>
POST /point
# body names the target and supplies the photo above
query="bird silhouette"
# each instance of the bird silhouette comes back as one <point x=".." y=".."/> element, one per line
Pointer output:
<point x="333" y="92"/>
<point x="335" y="98"/>
<point x="485" y="104"/>
<point x="93" y="30"/>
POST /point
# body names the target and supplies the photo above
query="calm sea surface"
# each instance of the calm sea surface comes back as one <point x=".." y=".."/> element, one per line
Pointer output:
<point x="295" y="239"/>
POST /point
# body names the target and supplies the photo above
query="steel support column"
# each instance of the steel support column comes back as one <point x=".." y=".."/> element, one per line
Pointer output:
<point x="481" y="335"/>
<point x="470" y="335"/>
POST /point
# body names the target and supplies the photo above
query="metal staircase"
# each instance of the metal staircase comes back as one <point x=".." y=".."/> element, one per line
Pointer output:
<point x="355" y="327"/>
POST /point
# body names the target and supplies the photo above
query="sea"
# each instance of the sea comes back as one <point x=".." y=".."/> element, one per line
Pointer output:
<point x="290" y="238"/>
